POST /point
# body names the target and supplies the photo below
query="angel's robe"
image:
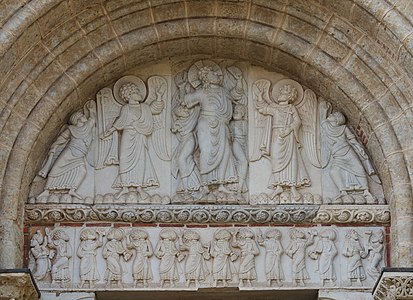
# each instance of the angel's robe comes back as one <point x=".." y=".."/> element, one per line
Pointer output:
<point x="288" y="168"/>
<point x="135" y="165"/>
<point x="216" y="162"/>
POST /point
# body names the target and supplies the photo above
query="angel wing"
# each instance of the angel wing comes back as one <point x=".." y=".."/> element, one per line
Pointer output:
<point x="310" y="126"/>
<point x="261" y="139"/>
<point x="106" y="150"/>
<point x="158" y="85"/>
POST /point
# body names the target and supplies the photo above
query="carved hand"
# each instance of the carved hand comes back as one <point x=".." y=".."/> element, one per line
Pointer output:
<point x="108" y="133"/>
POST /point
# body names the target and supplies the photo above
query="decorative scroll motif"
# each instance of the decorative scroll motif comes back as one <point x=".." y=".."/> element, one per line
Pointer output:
<point x="209" y="257"/>
<point x="286" y="214"/>
<point x="394" y="286"/>
<point x="211" y="132"/>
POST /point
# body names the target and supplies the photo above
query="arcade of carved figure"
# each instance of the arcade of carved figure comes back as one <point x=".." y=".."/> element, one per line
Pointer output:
<point x="348" y="162"/>
<point x="324" y="252"/>
<point x="223" y="268"/>
<point x="141" y="268"/>
<point x="39" y="256"/>
<point x="273" y="251"/>
<point x="196" y="269"/>
<point x="297" y="251"/>
<point x="137" y="121"/>
<point x="168" y="253"/>
<point x="61" y="253"/>
<point x="65" y="167"/>
<point x="245" y="240"/>
<point x="90" y="241"/>
<point x="113" y="250"/>
<point x="375" y="249"/>
<point x="355" y="252"/>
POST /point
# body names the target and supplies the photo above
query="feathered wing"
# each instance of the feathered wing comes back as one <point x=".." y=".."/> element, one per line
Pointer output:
<point x="158" y="84"/>
<point x="310" y="126"/>
<point x="261" y="125"/>
<point x="108" y="109"/>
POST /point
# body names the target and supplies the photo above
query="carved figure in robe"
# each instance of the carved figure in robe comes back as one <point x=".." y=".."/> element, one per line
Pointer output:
<point x="324" y="251"/>
<point x="285" y="122"/>
<point x="140" y="118"/>
<point x="90" y="241"/>
<point x="297" y="251"/>
<point x="168" y="253"/>
<point x="273" y="252"/>
<point x="62" y="252"/>
<point x="65" y="167"/>
<point x="355" y="252"/>
<point x="113" y="250"/>
<point x="40" y="253"/>
<point x="349" y="163"/>
<point x="245" y="241"/>
<point x="141" y="268"/>
<point x="239" y="130"/>
<point x="375" y="249"/>
<point x="223" y="268"/>
<point x="216" y="160"/>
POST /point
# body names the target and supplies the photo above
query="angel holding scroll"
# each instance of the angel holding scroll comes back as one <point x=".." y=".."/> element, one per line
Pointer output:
<point x="286" y="121"/>
<point x="139" y="118"/>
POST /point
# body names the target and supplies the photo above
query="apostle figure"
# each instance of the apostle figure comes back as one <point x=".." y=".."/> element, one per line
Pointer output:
<point x="223" y="268"/>
<point x="167" y="252"/>
<point x="41" y="255"/>
<point x="354" y="252"/>
<point x="141" y="268"/>
<point x="59" y="242"/>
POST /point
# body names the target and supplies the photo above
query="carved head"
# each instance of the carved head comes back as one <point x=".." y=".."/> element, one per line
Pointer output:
<point x="130" y="93"/>
<point x="77" y="118"/>
<point x="288" y="94"/>
<point x="168" y="234"/>
<point x="59" y="234"/>
<point x="138" y="234"/>
<point x="272" y="233"/>
<point x="87" y="234"/>
<point x="296" y="234"/>
<point x="115" y="234"/>
<point x="208" y="76"/>
<point x="338" y="118"/>
<point x="37" y="239"/>
<point x="222" y="234"/>
<point x="191" y="235"/>
<point x="245" y="233"/>
<point x="352" y="235"/>
<point x="328" y="234"/>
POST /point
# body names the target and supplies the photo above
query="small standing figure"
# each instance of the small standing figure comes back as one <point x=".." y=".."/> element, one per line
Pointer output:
<point x="297" y="250"/>
<point x="90" y="241"/>
<point x="59" y="241"/>
<point x="273" y="251"/>
<point x="375" y="248"/>
<point x="41" y="255"/>
<point x="167" y="252"/>
<point x="223" y="268"/>
<point x="354" y="252"/>
<point x="244" y="240"/>
<point x="112" y="251"/>
<point x="196" y="268"/>
<point x="324" y="252"/>
<point x="141" y="268"/>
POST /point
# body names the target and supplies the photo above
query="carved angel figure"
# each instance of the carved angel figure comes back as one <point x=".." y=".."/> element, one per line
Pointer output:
<point x="41" y="255"/>
<point x="223" y="268"/>
<point x="354" y="252"/>
<point x="141" y="268"/>
<point x="349" y="163"/>
<point x="113" y="250"/>
<point x="216" y="161"/>
<point x="167" y="252"/>
<point x="286" y="121"/>
<point x="196" y="269"/>
<point x="138" y="120"/>
<point x="325" y="251"/>
<point x="273" y="251"/>
<point x="245" y="240"/>
<point x="62" y="252"/>
<point x="65" y="167"/>
<point x="297" y="251"/>
<point x="90" y="241"/>
<point x="375" y="249"/>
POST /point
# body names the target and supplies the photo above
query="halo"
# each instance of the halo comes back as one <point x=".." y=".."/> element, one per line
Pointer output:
<point x="276" y="89"/>
<point x="126" y="79"/>
<point x="193" y="77"/>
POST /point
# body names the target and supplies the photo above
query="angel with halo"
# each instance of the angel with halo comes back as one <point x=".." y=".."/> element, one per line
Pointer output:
<point x="286" y="121"/>
<point x="138" y="120"/>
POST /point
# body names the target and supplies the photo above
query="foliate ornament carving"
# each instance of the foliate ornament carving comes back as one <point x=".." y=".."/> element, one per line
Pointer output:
<point x="394" y="285"/>
<point x="375" y="214"/>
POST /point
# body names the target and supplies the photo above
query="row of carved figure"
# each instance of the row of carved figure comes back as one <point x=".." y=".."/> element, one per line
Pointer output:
<point x="129" y="124"/>
<point x="53" y="251"/>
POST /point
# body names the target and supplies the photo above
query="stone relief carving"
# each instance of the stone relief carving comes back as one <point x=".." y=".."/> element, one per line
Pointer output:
<point x="375" y="249"/>
<point x="141" y="268"/>
<point x="207" y="132"/>
<point x="40" y="263"/>
<point x="204" y="257"/>
<point x="113" y="250"/>
<point x="90" y="241"/>
<point x="273" y="251"/>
